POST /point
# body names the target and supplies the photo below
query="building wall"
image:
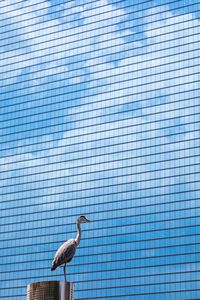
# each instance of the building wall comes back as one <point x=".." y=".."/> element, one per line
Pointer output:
<point x="100" y="116"/>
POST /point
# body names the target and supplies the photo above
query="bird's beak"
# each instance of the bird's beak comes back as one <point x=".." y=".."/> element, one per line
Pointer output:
<point x="88" y="220"/>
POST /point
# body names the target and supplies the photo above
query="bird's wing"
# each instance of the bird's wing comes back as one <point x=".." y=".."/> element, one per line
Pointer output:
<point x="64" y="253"/>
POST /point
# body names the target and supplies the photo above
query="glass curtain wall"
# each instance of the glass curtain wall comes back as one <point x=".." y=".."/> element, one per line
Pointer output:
<point x="99" y="115"/>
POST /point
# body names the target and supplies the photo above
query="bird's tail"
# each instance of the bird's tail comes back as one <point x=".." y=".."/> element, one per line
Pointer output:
<point x="53" y="267"/>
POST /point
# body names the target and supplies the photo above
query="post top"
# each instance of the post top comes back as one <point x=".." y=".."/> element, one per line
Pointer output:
<point x="51" y="290"/>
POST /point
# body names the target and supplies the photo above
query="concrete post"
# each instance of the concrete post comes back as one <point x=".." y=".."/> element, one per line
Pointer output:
<point x="50" y="290"/>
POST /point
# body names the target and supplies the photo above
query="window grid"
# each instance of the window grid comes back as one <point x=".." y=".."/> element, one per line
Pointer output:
<point x="100" y="116"/>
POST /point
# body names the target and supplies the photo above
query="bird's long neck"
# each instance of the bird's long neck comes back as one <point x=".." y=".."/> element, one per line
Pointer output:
<point x="78" y="237"/>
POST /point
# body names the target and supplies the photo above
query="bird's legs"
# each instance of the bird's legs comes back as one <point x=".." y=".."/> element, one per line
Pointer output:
<point x="64" y="268"/>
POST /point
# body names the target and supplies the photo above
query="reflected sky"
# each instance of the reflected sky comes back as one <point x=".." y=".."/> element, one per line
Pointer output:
<point x="99" y="107"/>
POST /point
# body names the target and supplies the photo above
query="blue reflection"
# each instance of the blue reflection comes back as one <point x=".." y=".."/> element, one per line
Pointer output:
<point x="100" y="115"/>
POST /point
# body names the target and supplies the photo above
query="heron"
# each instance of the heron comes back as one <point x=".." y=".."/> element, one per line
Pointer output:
<point x="67" y="250"/>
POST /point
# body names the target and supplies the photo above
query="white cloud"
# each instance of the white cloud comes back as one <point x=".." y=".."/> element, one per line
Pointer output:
<point x="143" y="75"/>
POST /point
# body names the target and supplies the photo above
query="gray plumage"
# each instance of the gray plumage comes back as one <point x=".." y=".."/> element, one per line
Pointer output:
<point x="64" y="254"/>
<point x="67" y="250"/>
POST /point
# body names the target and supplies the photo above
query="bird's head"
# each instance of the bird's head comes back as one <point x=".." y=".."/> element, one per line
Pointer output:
<point x="83" y="219"/>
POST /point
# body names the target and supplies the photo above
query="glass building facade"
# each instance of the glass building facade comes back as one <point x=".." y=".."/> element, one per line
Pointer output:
<point x="99" y="114"/>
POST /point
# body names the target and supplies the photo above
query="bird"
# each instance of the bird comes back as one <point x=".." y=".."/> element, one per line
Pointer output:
<point x="66" y="251"/>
